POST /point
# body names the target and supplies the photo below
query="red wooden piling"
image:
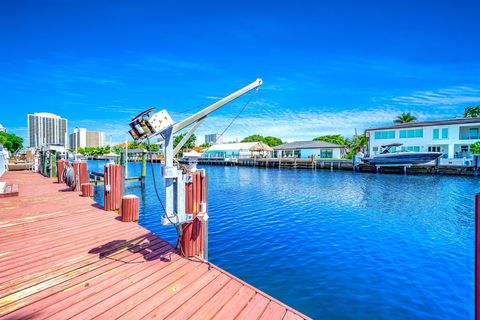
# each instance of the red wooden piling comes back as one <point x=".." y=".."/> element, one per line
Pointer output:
<point x="192" y="236"/>
<point x="80" y="172"/>
<point x="113" y="175"/>
<point x="477" y="256"/>
<point x="87" y="189"/>
<point x="130" y="208"/>
<point x="61" y="164"/>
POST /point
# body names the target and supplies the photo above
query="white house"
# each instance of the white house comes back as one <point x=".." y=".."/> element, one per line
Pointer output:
<point x="237" y="150"/>
<point x="452" y="137"/>
<point x="308" y="149"/>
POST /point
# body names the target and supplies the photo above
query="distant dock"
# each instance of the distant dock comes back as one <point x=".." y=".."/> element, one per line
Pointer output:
<point x="326" y="164"/>
<point x="63" y="257"/>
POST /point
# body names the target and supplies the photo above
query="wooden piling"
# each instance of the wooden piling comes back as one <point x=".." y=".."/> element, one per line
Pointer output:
<point x="130" y="208"/>
<point x="60" y="167"/>
<point x="87" y="189"/>
<point x="80" y="172"/>
<point x="193" y="236"/>
<point x="144" y="167"/>
<point x="113" y="179"/>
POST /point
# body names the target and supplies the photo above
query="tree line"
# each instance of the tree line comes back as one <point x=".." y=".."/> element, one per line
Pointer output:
<point x="11" y="141"/>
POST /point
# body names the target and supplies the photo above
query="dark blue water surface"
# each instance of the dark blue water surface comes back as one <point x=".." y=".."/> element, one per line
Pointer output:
<point x="339" y="245"/>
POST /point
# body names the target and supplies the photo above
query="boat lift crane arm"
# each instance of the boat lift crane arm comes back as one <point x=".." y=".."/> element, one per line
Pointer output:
<point x="145" y="126"/>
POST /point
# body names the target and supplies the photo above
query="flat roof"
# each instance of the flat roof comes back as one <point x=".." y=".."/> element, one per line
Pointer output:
<point x="232" y="146"/>
<point x="306" y="145"/>
<point x="428" y="123"/>
<point x="46" y="115"/>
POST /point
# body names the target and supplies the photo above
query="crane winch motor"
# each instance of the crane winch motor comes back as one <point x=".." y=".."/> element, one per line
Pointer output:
<point x="144" y="126"/>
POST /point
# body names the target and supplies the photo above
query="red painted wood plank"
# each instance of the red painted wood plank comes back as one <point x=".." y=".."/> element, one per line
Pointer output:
<point x="62" y="239"/>
<point x="233" y="307"/>
<point x="181" y="296"/>
<point x="274" y="311"/>
<point x="189" y="307"/>
<point x="140" y="289"/>
<point x="291" y="316"/>
<point x="102" y="277"/>
<point x="70" y="254"/>
<point x="100" y="291"/>
<point x="262" y="293"/>
<point x="254" y="308"/>
<point x="66" y="267"/>
<point x="101" y="231"/>
<point x="52" y="231"/>
<point x="138" y="306"/>
<point x="50" y="243"/>
<point x="73" y="278"/>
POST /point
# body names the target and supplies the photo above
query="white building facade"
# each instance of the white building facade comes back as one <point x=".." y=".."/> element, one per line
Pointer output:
<point x="46" y="129"/>
<point x="232" y="150"/>
<point x="452" y="137"/>
<point x="81" y="138"/>
<point x="309" y="149"/>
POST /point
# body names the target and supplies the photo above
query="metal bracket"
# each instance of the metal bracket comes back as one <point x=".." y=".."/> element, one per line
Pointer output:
<point x="178" y="215"/>
<point x="169" y="172"/>
<point x="187" y="136"/>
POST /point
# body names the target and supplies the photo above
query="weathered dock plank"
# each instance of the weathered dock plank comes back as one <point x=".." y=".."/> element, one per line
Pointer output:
<point x="63" y="257"/>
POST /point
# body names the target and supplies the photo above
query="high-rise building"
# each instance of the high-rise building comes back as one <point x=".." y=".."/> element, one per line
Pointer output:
<point x="95" y="139"/>
<point x="46" y="129"/>
<point x="2" y="128"/>
<point x="214" y="138"/>
<point x="81" y="138"/>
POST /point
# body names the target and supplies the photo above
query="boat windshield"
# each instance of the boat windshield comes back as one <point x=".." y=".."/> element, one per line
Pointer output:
<point x="388" y="147"/>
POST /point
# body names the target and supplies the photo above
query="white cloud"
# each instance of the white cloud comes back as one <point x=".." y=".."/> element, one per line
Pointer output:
<point x="119" y="108"/>
<point x="292" y="125"/>
<point x="448" y="96"/>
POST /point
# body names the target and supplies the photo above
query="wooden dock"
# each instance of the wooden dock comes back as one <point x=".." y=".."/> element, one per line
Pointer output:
<point x="341" y="164"/>
<point x="64" y="257"/>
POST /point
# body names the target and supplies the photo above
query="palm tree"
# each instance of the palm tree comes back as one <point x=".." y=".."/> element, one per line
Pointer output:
<point x="405" y="117"/>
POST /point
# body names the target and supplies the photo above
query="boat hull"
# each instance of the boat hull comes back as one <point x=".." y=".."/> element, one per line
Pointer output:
<point x="403" y="158"/>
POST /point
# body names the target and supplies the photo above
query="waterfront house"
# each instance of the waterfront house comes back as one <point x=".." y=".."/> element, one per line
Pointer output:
<point x="309" y="149"/>
<point x="452" y="137"/>
<point x="237" y="150"/>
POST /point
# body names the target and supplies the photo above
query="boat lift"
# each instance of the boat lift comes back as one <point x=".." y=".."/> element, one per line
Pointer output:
<point x="147" y="125"/>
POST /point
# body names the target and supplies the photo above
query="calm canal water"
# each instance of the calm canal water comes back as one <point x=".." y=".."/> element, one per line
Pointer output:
<point x="339" y="245"/>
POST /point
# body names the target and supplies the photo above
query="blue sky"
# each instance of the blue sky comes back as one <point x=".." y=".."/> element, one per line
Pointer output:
<point x="328" y="67"/>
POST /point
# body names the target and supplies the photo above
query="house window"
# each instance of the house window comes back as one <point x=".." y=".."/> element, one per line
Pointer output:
<point x="436" y="134"/>
<point x="385" y="135"/>
<point x="326" y="153"/>
<point x="411" y="133"/>
<point x="473" y="133"/>
<point x="445" y="133"/>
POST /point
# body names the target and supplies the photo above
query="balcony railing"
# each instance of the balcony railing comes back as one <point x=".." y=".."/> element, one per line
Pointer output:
<point x="469" y="137"/>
